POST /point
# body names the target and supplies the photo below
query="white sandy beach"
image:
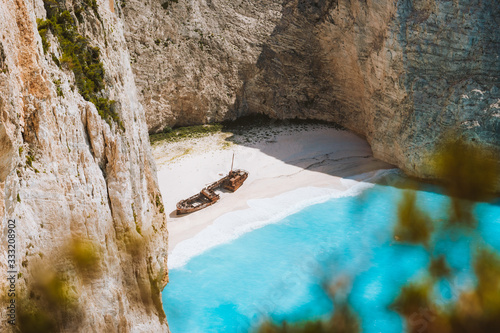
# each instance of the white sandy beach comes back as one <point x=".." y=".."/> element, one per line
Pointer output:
<point x="289" y="163"/>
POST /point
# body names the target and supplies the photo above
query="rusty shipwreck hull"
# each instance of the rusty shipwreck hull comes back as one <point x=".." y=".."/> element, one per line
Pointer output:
<point x="207" y="195"/>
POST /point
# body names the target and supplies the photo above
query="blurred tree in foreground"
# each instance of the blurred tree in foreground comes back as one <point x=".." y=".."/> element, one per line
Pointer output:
<point x="343" y="321"/>
<point x="469" y="174"/>
<point x="50" y="301"/>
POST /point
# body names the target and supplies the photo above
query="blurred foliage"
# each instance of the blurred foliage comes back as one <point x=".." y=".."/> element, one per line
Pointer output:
<point x="412" y="298"/>
<point x="55" y="290"/>
<point x="414" y="225"/>
<point x="470" y="174"/>
<point x="476" y="310"/>
<point x="308" y="327"/>
<point x="148" y="289"/>
<point x="343" y="320"/>
<point x="468" y="171"/>
<point x="136" y="245"/>
<point x="50" y="301"/>
<point x="487" y="269"/>
<point x="155" y="296"/>
<point x="33" y="319"/>
<point x="85" y="255"/>
<point x="49" y="305"/>
<point x="439" y="268"/>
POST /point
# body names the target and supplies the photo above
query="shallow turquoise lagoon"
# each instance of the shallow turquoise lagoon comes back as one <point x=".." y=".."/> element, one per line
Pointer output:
<point x="280" y="270"/>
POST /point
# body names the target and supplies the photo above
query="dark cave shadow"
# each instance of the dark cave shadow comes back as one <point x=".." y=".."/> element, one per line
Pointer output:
<point x="271" y="69"/>
<point x="261" y="132"/>
<point x="240" y="129"/>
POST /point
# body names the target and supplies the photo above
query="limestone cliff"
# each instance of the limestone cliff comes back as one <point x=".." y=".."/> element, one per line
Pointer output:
<point x="192" y="58"/>
<point x="76" y="173"/>
<point x="400" y="73"/>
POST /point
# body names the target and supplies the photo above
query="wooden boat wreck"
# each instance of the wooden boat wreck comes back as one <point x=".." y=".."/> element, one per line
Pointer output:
<point x="198" y="201"/>
<point x="207" y="195"/>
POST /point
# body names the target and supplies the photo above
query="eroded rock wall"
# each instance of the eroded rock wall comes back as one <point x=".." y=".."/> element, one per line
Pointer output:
<point x="191" y="59"/>
<point x="400" y="73"/>
<point x="69" y="177"/>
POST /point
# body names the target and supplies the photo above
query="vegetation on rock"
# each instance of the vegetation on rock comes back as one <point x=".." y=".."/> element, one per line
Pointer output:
<point x="177" y="134"/>
<point x="3" y="65"/>
<point x="78" y="54"/>
<point x="240" y="126"/>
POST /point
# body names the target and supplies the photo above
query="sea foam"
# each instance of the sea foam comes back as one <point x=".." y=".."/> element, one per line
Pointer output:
<point x="262" y="212"/>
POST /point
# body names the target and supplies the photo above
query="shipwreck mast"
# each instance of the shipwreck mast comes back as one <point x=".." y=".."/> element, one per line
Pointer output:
<point x="232" y="162"/>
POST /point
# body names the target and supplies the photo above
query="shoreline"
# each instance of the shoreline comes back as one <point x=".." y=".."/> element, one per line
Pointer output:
<point x="262" y="212"/>
<point x="289" y="165"/>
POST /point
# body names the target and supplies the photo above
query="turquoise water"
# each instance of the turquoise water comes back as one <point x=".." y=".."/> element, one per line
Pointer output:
<point x="279" y="270"/>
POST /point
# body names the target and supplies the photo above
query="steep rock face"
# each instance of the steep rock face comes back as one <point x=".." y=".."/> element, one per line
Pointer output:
<point x="400" y="73"/>
<point x="91" y="238"/>
<point x="192" y="58"/>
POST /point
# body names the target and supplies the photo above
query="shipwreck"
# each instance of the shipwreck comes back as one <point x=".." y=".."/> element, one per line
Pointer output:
<point x="207" y="196"/>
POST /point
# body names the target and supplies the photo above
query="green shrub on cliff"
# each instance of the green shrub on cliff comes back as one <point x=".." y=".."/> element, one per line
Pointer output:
<point x="78" y="55"/>
<point x="189" y="132"/>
